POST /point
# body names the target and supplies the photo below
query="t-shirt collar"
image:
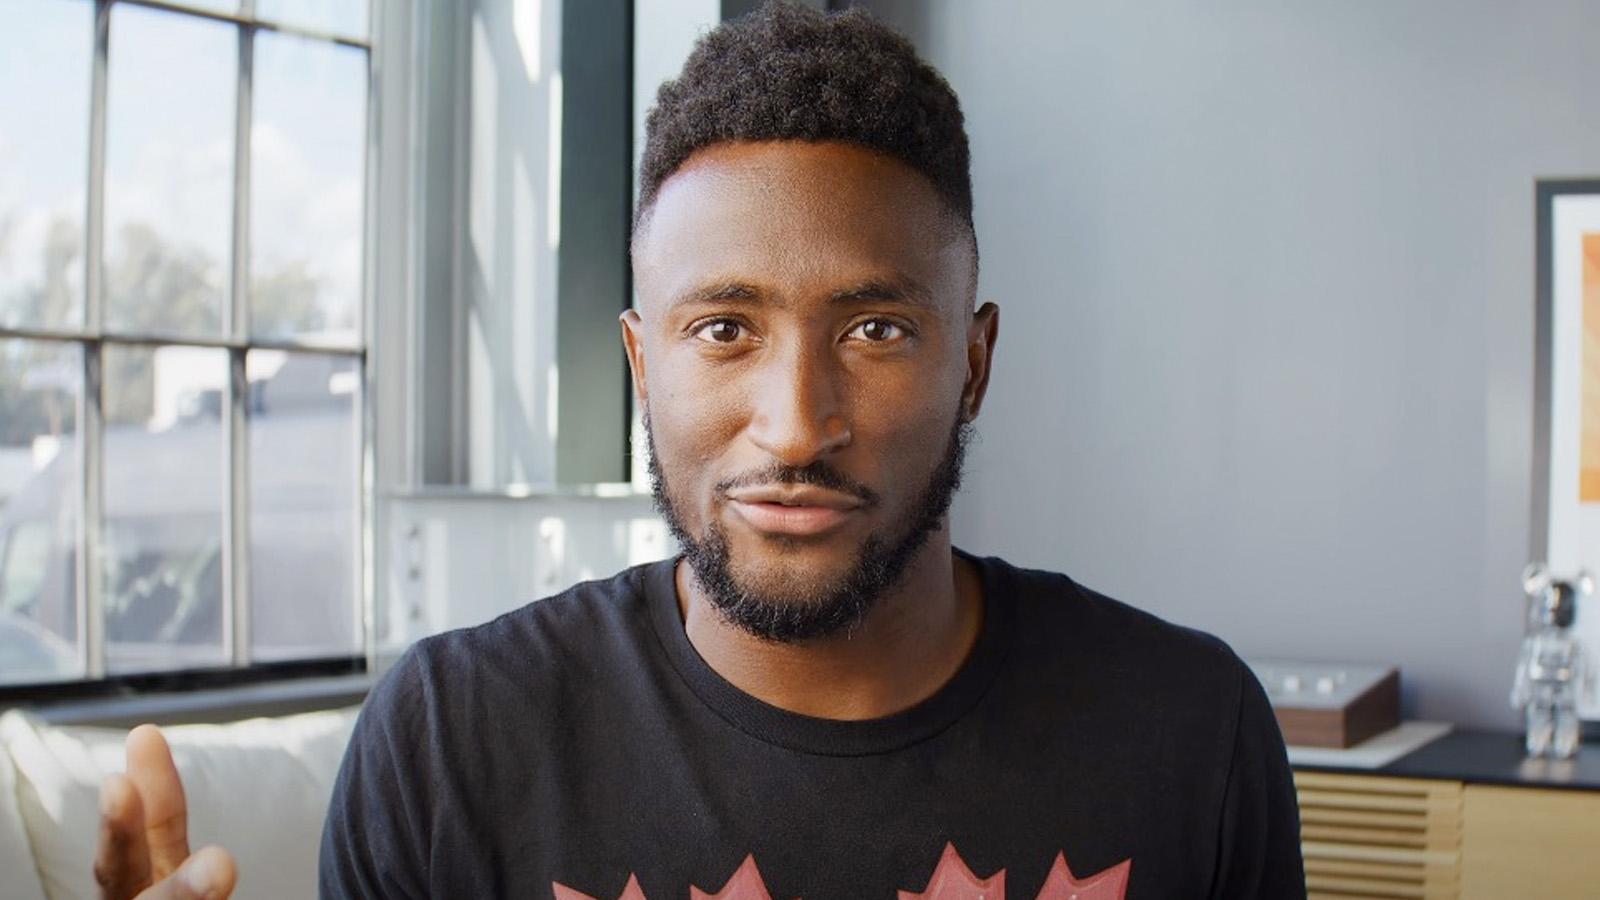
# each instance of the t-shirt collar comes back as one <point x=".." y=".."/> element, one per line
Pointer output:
<point x="832" y="737"/>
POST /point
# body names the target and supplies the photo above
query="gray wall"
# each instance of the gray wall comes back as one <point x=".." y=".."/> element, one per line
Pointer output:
<point x="1266" y="280"/>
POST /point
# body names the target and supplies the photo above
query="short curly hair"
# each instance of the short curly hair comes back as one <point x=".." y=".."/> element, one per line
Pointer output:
<point x="788" y="72"/>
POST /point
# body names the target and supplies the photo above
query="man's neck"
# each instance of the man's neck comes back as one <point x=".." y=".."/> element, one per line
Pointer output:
<point x="913" y="640"/>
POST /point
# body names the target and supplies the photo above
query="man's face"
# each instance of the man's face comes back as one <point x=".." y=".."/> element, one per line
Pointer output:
<point x="807" y="356"/>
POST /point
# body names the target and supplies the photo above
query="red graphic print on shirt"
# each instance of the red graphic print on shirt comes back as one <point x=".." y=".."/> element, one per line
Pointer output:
<point x="951" y="880"/>
<point x="1112" y="884"/>
<point x="630" y="891"/>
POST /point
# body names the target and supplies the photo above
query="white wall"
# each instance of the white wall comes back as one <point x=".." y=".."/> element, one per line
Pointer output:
<point x="1266" y="280"/>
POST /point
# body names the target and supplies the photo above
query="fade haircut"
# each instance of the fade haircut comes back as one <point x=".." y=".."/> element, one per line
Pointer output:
<point x="788" y="72"/>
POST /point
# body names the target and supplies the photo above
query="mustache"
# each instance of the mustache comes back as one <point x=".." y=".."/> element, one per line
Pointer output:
<point x="817" y="474"/>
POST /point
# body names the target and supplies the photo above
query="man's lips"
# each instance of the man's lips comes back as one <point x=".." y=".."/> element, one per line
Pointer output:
<point x="788" y="509"/>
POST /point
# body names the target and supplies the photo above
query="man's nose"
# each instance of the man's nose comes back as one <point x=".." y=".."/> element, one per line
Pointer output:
<point x="799" y="413"/>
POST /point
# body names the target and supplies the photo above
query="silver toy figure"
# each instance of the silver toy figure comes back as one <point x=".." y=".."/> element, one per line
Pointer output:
<point x="1553" y="667"/>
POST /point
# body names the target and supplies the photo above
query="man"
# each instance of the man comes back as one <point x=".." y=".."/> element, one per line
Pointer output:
<point x="820" y="697"/>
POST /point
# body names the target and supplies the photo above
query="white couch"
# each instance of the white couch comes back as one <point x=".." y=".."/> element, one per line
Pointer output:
<point x="259" y="787"/>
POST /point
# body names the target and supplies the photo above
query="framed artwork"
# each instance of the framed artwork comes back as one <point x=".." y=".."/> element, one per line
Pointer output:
<point x="1566" y="436"/>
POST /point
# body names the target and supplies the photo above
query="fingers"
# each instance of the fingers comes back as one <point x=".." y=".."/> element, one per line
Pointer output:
<point x="209" y="874"/>
<point x="144" y="832"/>
<point x="121" y="858"/>
<point x="166" y="813"/>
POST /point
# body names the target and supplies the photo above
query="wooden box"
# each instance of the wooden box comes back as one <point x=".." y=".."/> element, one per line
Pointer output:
<point x="1330" y="704"/>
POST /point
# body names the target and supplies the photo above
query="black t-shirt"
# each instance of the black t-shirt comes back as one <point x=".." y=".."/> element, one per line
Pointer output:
<point x="581" y="747"/>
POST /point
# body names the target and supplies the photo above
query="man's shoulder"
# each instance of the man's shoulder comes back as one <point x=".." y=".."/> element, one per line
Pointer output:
<point x="574" y="630"/>
<point x="560" y="622"/>
<point x="1056" y="612"/>
<point x="1174" y="694"/>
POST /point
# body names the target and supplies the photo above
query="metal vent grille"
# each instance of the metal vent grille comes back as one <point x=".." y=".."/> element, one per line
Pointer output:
<point x="1380" y="838"/>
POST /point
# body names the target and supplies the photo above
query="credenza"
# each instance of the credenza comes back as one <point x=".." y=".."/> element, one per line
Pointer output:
<point x="1463" y="817"/>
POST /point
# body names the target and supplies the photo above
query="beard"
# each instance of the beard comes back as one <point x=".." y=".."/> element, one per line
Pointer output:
<point x="834" y="605"/>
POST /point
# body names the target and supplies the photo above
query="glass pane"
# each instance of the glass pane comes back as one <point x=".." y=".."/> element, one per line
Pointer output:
<point x="45" y="50"/>
<point x="222" y="6"/>
<point x="40" y="483"/>
<point x="164" y="479"/>
<point x="307" y="156"/>
<point x="169" y="171"/>
<point x="346" y="18"/>
<point x="305" y="441"/>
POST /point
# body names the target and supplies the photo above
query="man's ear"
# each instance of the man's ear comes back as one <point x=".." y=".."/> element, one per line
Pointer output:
<point x="633" y="345"/>
<point x="981" y="335"/>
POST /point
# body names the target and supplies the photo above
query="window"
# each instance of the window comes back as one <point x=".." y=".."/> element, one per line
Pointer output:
<point x="524" y="244"/>
<point x="184" y="259"/>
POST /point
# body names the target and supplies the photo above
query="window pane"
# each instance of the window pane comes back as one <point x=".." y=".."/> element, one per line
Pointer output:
<point x="164" y="476"/>
<point x="305" y="441"/>
<point x="40" y="382"/>
<point x="169" y="171"/>
<point x="45" y="50"/>
<point x="346" y="18"/>
<point x="222" y="6"/>
<point x="307" y="156"/>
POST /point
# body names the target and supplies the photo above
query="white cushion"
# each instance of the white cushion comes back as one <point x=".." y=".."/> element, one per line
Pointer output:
<point x="259" y="788"/>
<point x="18" y="878"/>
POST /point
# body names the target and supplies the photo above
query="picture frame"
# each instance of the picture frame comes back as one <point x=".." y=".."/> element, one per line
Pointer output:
<point x="1566" y="428"/>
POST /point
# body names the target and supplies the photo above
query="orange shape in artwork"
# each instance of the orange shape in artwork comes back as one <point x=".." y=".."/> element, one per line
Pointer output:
<point x="952" y="880"/>
<point x="746" y="884"/>
<point x="1112" y="884"/>
<point x="631" y="891"/>
<point x="1589" y="378"/>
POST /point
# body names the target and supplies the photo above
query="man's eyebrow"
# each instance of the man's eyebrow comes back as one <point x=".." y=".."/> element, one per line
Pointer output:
<point x="896" y="290"/>
<point x="873" y="290"/>
<point x="712" y="293"/>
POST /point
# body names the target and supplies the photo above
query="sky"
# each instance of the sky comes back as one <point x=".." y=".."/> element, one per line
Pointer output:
<point x="170" y="134"/>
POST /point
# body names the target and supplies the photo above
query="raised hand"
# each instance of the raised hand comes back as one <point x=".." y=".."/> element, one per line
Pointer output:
<point x="143" y="850"/>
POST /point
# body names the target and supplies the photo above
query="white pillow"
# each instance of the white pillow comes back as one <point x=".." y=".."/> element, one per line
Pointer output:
<point x="259" y="787"/>
<point x="19" y="880"/>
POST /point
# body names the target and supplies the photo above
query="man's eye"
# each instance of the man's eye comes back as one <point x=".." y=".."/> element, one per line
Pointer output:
<point x="721" y="331"/>
<point x="877" y="331"/>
